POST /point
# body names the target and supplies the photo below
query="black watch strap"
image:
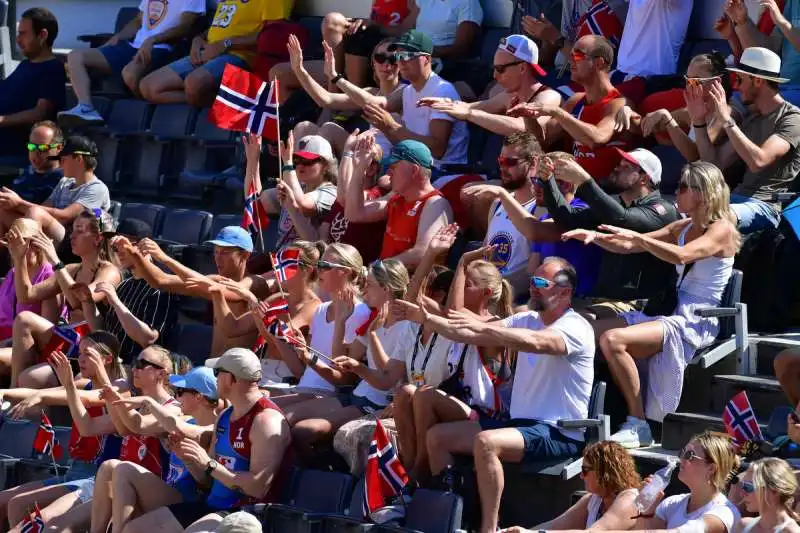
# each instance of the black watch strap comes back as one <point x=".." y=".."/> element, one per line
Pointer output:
<point x="58" y="266"/>
<point x="336" y="78"/>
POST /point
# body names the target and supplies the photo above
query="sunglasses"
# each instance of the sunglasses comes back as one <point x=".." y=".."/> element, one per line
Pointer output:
<point x="218" y="371"/>
<point x="327" y="265"/>
<point x="382" y="58"/>
<point x="141" y="364"/>
<point x="502" y="68"/>
<point x="690" y="455"/>
<point x="580" y="55"/>
<point x="408" y="56"/>
<point x="541" y="283"/>
<point x="586" y="469"/>
<point x="509" y="161"/>
<point x="700" y="81"/>
<point x="303" y="161"/>
<point x="180" y="391"/>
<point x="42" y="147"/>
<point x="747" y="486"/>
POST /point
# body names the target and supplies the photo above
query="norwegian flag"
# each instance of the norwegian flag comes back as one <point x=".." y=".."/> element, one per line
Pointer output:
<point x="67" y="339"/>
<point x="255" y="218"/>
<point x="275" y="308"/>
<point x="285" y="263"/>
<point x="599" y="19"/>
<point x="34" y="523"/>
<point x="363" y="328"/>
<point x="246" y="103"/>
<point x="45" y="441"/>
<point x="384" y="476"/>
<point x="740" y="421"/>
<point x="283" y="332"/>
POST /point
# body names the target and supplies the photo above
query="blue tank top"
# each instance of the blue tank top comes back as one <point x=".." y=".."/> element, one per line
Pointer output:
<point x="181" y="479"/>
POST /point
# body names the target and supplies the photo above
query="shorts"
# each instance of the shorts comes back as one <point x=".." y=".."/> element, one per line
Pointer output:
<point x="367" y="407"/>
<point x="79" y="477"/>
<point x="183" y="67"/>
<point x="187" y="513"/>
<point x="122" y="53"/>
<point x="753" y="215"/>
<point x="364" y="42"/>
<point x="542" y="441"/>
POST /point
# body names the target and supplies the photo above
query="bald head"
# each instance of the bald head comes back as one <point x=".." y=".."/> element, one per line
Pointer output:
<point x="598" y="48"/>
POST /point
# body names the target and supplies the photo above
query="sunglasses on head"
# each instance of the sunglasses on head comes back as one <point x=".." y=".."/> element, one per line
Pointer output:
<point x="585" y="469"/>
<point x="303" y="161"/>
<point x="509" y="161"/>
<point x="690" y="455"/>
<point x="42" y="147"/>
<point x="502" y="68"/>
<point x="327" y="265"/>
<point x="141" y="364"/>
<point x="381" y="58"/>
<point x="408" y="56"/>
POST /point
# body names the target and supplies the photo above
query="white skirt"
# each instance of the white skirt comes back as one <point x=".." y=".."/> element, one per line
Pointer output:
<point x="684" y="334"/>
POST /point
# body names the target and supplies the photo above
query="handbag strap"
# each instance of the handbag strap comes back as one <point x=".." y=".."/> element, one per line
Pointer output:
<point x="686" y="270"/>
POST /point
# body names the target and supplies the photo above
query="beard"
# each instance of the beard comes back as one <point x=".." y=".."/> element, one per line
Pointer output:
<point x="514" y="184"/>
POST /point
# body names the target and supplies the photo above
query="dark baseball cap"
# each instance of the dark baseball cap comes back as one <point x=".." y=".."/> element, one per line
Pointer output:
<point x="77" y="145"/>
<point x="132" y="228"/>
<point x="413" y="152"/>
<point x="413" y="41"/>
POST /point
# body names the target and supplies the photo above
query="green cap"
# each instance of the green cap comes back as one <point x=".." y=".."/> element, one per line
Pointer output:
<point x="413" y="152"/>
<point x="413" y="41"/>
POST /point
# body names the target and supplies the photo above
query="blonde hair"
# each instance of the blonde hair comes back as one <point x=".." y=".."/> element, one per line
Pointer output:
<point x="164" y="358"/>
<point x="776" y="475"/>
<point x="707" y="179"/>
<point x="27" y="227"/>
<point x="718" y="449"/>
<point x="310" y="253"/>
<point x="486" y="276"/>
<point x="392" y="275"/>
<point x="348" y="256"/>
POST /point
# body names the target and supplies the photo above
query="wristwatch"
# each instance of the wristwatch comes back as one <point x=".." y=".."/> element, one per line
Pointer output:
<point x="212" y="465"/>
<point x="228" y="44"/>
<point x="336" y="78"/>
<point x="58" y="266"/>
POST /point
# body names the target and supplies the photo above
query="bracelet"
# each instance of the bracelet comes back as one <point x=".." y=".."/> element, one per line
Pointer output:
<point x="314" y="360"/>
<point x="729" y="124"/>
<point x="336" y="78"/>
<point x="287" y="168"/>
<point x="58" y="266"/>
<point x="672" y="123"/>
<point x="348" y="153"/>
<point x="699" y="126"/>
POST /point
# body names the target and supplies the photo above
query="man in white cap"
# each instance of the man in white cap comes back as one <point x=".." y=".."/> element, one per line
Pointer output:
<point x="516" y="69"/>
<point x="768" y="141"/>
<point x="249" y="459"/>
<point x="240" y="522"/>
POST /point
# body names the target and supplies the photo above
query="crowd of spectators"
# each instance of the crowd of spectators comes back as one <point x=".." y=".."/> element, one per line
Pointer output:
<point x="568" y="258"/>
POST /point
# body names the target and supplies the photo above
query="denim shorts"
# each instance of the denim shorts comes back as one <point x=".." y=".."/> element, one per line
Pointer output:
<point x="183" y="67"/>
<point x="79" y="477"/>
<point x="542" y="441"/>
<point x="753" y="215"/>
<point x="122" y="53"/>
<point x="367" y="407"/>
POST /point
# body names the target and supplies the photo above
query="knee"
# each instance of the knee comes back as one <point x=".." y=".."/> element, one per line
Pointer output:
<point x="122" y="471"/>
<point x="280" y="70"/>
<point x="484" y="445"/>
<point x="106" y="470"/>
<point x="199" y="88"/>
<point x="333" y="27"/>
<point x="404" y="398"/>
<point x="147" y="88"/>
<point x="24" y="319"/>
<point x="75" y="58"/>
<point x="131" y="76"/>
<point x="17" y="509"/>
<point x="434" y="440"/>
<point x="611" y="343"/>
<point x="423" y="397"/>
<point x="305" y="434"/>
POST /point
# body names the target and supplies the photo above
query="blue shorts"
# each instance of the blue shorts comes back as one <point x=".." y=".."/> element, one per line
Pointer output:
<point x="183" y="67"/>
<point x="366" y="406"/>
<point x="542" y="442"/>
<point x="122" y="53"/>
<point x="753" y="215"/>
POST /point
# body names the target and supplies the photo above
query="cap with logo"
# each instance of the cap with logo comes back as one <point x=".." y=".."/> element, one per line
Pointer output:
<point x="241" y="362"/>
<point x="76" y="145"/>
<point x="239" y="522"/>
<point x="523" y="49"/>
<point x="646" y="160"/>
<point x="413" y="152"/>
<point x="199" y="379"/>
<point x="314" y="147"/>
<point x="413" y="41"/>
<point x="233" y="237"/>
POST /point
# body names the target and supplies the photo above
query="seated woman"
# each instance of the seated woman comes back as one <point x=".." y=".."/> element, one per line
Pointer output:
<point x="702" y="246"/>
<point x="135" y="489"/>
<point x="379" y="339"/>
<point x="92" y="441"/>
<point x="769" y="486"/>
<point x="25" y="258"/>
<point x="35" y="337"/>
<point x="612" y="484"/>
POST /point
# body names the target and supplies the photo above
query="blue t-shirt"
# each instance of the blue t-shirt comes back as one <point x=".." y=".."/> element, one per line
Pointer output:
<point x="585" y="259"/>
<point x="790" y="57"/>
<point x="37" y="187"/>
<point x="22" y="90"/>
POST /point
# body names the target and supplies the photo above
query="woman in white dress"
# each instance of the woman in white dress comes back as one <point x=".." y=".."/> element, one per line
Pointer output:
<point x="702" y="248"/>
<point x="769" y="486"/>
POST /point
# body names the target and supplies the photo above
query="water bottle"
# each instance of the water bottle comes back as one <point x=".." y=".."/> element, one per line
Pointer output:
<point x="648" y="494"/>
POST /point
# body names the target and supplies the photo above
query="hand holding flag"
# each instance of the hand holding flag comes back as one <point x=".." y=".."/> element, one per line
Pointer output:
<point x="33" y="523"/>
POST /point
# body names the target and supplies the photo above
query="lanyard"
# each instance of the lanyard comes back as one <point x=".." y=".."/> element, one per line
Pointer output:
<point x="416" y="349"/>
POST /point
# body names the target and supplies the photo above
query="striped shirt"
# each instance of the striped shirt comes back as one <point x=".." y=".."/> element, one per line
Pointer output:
<point x="152" y="306"/>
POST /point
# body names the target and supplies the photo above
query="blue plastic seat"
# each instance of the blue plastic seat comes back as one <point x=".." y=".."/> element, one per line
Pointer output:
<point x="430" y="511"/>
<point x="126" y="118"/>
<point x="221" y="221"/>
<point x="193" y="341"/>
<point x="152" y="214"/>
<point x="186" y="226"/>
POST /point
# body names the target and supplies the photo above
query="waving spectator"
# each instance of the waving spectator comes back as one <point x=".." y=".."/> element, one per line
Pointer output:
<point x="768" y="141"/>
<point x="78" y="190"/>
<point x="35" y="90"/>
<point x="516" y="66"/>
<point x="231" y="39"/>
<point x="36" y="184"/>
<point x="446" y="137"/>
<point x="144" y="44"/>
<point x="769" y="487"/>
<point x="702" y="247"/>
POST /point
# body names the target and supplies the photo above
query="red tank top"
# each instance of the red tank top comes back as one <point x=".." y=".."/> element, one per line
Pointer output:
<point x="599" y="161"/>
<point x="389" y="12"/>
<point x="402" y="224"/>
<point x="86" y="448"/>
<point x="146" y="450"/>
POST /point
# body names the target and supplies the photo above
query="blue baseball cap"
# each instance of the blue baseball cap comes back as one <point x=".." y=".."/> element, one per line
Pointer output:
<point x="412" y="151"/>
<point x="233" y="236"/>
<point x="200" y="379"/>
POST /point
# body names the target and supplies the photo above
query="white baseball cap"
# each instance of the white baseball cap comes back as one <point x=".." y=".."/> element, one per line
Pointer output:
<point x="646" y="160"/>
<point x="241" y="362"/>
<point x="523" y="49"/>
<point x="314" y="146"/>
<point x="239" y="522"/>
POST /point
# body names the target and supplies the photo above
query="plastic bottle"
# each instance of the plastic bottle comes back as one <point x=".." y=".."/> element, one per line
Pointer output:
<point x="648" y="494"/>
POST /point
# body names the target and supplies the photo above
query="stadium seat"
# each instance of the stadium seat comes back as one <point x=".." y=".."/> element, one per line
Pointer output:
<point x="193" y="341"/>
<point x="220" y="221"/>
<point x="313" y="48"/>
<point x="185" y="226"/>
<point x="672" y="162"/>
<point x="127" y="117"/>
<point x="430" y="511"/>
<point x="115" y="210"/>
<point x="152" y="214"/>
<point x="124" y="15"/>
<point x="200" y="258"/>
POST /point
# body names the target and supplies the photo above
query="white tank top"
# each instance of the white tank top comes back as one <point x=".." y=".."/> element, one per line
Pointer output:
<point x="596" y="510"/>
<point x="780" y="527"/>
<point x="513" y="249"/>
<point x="708" y="277"/>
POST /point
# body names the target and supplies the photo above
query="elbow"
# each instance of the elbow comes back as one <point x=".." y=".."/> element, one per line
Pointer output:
<point x="150" y="338"/>
<point x="438" y="150"/>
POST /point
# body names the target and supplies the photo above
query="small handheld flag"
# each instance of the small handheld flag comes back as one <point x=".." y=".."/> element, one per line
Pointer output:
<point x="45" y="441"/>
<point x="255" y="218"/>
<point x="740" y="420"/>
<point x="34" y="523"/>
<point x="384" y="477"/>
<point x="363" y="328"/>
<point x="67" y="339"/>
<point x="246" y="103"/>
<point x="285" y="263"/>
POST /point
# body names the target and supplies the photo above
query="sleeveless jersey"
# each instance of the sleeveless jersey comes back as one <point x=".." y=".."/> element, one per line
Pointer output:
<point x="389" y="12"/>
<point x="146" y="450"/>
<point x="93" y="448"/>
<point x="180" y="478"/>
<point x="513" y="249"/>
<point x="232" y="450"/>
<point x="402" y="224"/>
<point x="601" y="160"/>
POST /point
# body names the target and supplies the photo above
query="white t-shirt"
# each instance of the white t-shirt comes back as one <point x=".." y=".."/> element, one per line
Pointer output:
<point x="321" y="332"/>
<point x="429" y="360"/>
<point x="549" y="388"/>
<point x="159" y="16"/>
<point x="439" y="19"/>
<point x="653" y="36"/>
<point x="418" y="119"/>
<point x="476" y="379"/>
<point x="673" y="511"/>
<point x="394" y="339"/>
<point x="513" y="249"/>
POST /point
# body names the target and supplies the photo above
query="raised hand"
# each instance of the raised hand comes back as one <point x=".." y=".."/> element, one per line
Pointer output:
<point x="584" y="235"/>
<point x="149" y="247"/>
<point x="81" y="292"/>
<point x="244" y="292"/>
<point x="403" y="310"/>
<point x="344" y="302"/>
<point x="17" y="246"/>
<point x="295" y="53"/>
<point x="523" y="110"/>
<point x="329" y="64"/>
<point x="42" y="242"/>
<point x="455" y="108"/>
<point x="62" y="367"/>
<point x="540" y="28"/>
<point x="736" y="11"/>
<point x="695" y="103"/>
<point x="108" y="290"/>
<point x="444" y="239"/>
<point x="570" y="171"/>
<point x="252" y="146"/>
<point x="771" y="7"/>
<point x="718" y="99"/>
<point x="363" y="150"/>
<point x="287" y="149"/>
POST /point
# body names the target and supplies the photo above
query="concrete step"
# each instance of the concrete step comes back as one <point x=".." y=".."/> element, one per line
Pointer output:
<point x="764" y="392"/>
<point x="679" y="428"/>
<point x="768" y="347"/>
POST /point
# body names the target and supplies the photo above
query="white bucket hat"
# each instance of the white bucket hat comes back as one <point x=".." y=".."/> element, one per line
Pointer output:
<point x="760" y="63"/>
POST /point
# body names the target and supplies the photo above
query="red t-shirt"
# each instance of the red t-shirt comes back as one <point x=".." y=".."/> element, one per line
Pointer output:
<point x="367" y="237"/>
<point x="402" y="224"/>
<point x="146" y="450"/>
<point x="389" y="12"/>
<point x="601" y="160"/>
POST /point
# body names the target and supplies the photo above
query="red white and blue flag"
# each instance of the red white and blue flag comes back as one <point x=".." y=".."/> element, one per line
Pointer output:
<point x="283" y="332"/>
<point x="255" y="218"/>
<point x="384" y="477"/>
<point x="45" y="441"/>
<point x="285" y="263"/>
<point x="246" y="103"/>
<point x="67" y="339"/>
<point x="34" y="523"/>
<point x="600" y="20"/>
<point x="740" y="420"/>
